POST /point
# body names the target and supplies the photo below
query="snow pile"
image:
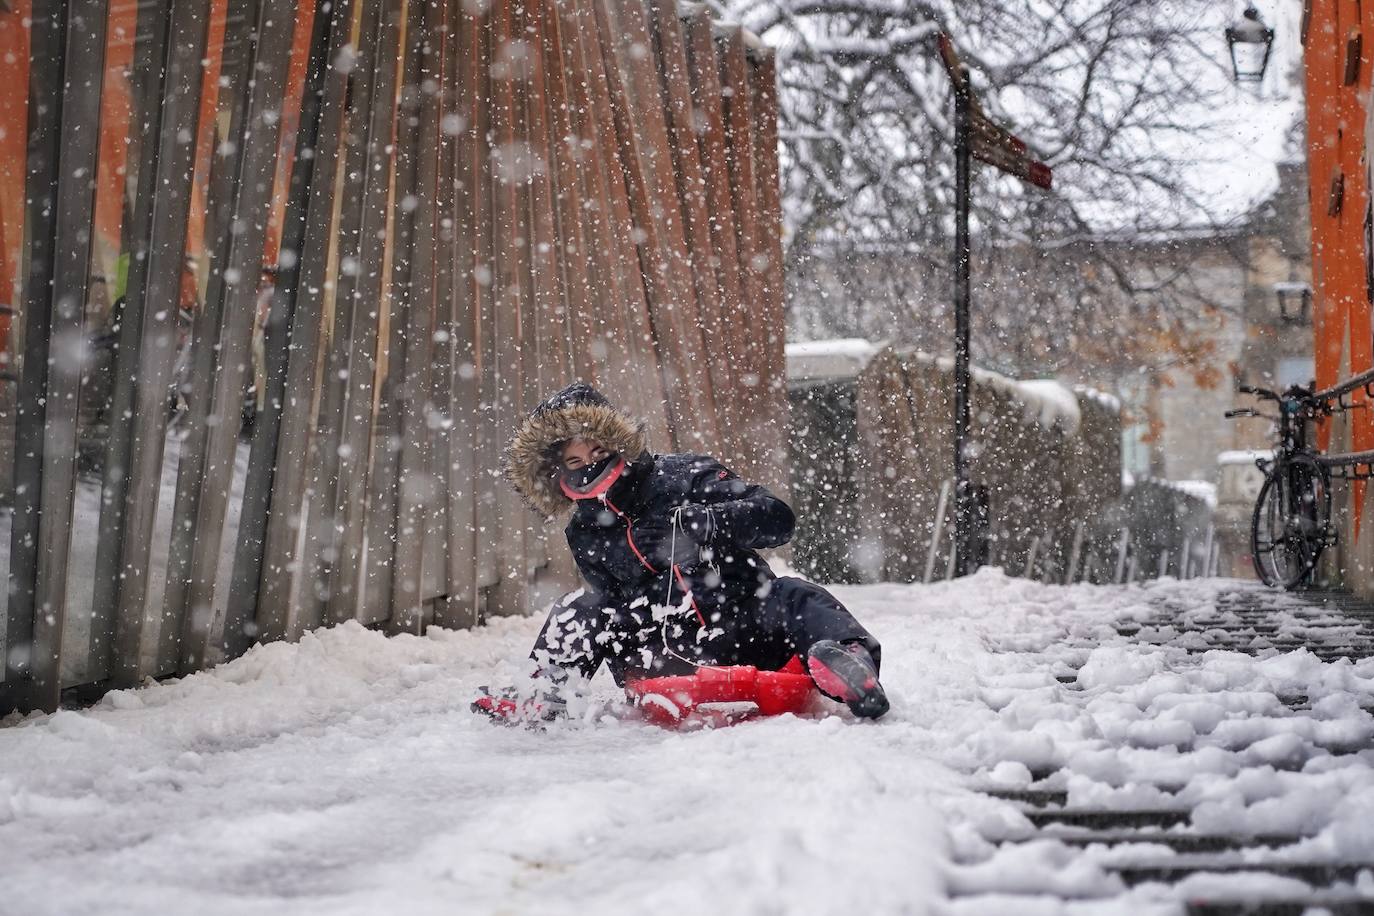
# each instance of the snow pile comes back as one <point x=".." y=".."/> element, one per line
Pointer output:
<point x="344" y="774"/>
<point x="1054" y="402"/>
<point x="1046" y="401"/>
<point x="1110" y="401"/>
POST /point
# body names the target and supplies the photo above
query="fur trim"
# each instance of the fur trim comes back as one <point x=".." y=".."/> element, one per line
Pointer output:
<point x="531" y="467"/>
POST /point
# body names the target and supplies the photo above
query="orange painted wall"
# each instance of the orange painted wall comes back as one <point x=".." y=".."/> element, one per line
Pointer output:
<point x="1336" y="147"/>
<point x="14" y="105"/>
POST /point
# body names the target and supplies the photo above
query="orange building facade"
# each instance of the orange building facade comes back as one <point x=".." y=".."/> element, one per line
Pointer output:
<point x="1338" y="41"/>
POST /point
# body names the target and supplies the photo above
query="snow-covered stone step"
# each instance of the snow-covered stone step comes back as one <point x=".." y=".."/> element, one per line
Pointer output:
<point x="1039" y="797"/>
<point x="1142" y="757"/>
<point x="1108" y="819"/>
<point x="1316" y="874"/>
<point x="1339" y="904"/>
<point x="1324" y="904"/>
<point x="1178" y="841"/>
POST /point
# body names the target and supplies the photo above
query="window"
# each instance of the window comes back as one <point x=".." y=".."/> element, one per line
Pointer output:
<point x="1294" y="370"/>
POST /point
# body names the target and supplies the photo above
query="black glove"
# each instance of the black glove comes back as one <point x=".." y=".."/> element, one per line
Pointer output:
<point x="698" y="523"/>
<point x="664" y="546"/>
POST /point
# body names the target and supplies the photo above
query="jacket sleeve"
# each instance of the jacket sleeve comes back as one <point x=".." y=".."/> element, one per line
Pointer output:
<point x="745" y="514"/>
<point x="570" y="639"/>
<point x="601" y="585"/>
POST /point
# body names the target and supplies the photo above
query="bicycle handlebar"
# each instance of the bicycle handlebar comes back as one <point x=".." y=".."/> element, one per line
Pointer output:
<point x="1264" y="393"/>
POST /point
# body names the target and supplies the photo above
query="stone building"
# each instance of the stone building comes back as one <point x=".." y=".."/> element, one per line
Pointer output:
<point x="1243" y="292"/>
<point x="1255" y="329"/>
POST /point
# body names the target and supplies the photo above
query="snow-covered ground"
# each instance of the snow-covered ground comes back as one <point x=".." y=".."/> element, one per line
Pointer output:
<point x="344" y="774"/>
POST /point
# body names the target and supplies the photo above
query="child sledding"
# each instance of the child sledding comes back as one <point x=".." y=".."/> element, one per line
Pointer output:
<point x="675" y="591"/>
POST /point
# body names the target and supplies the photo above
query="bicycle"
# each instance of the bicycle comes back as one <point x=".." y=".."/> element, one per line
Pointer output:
<point x="1291" y="523"/>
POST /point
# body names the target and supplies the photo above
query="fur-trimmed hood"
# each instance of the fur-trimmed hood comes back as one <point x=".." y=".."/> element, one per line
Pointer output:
<point x="578" y="410"/>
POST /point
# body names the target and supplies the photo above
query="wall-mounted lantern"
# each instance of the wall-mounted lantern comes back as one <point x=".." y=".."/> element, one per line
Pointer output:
<point x="1250" y="41"/>
<point x="1295" y="301"/>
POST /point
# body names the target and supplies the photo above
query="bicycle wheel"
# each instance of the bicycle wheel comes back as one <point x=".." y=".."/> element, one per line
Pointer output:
<point x="1289" y="528"/>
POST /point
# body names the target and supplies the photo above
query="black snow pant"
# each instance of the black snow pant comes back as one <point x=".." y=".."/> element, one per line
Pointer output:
<point x="582" y="632"/>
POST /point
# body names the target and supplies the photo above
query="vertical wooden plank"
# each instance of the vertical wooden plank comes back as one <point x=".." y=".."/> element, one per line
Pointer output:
<point x="510" y="330"/>
<point x="483" y="287"/>
<point x="551" y="365"/>
<point x="383" y="427"/>
<point x="621" y="319"/>
<point x="414" y="487"/>
<point x="646" y="154"/>
<point x="434" y="583"/>
<point x="343" y="546"/>
<point x="469" y="560"/>
<point x="270" y="518"/>
<point x="587" y="344"/>
<point x="772" y="327"/>
<point x="152" y="31"/>
<point x="223" y="168"/>
<point x="319" y="551"/>
<point x="82" y="88"/>
<point x="553" y="356"/>
<point x="68" y="50"/>
<point x="152" y="295"/>
<point x="676" y="85"/>
<point x="614" y="217"/>
<point x="47" y="44"/>
<point x="563" y="298"/>
<point x="704" y="64"/>
<point x="739" y="123"/>
<point x="287" y="564"/>
<point x="526" y="178"/>
<point x="252" y="190"/>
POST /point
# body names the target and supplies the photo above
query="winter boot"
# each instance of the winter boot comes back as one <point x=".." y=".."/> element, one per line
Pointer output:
<point x="845" y="672"/>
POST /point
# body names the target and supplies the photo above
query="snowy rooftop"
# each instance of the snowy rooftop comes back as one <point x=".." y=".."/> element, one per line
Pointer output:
<point x="1046" y="401"/>
<point x="1198" y="489"/>
<point x="1107" y="400"/>
<point x="829" y="360"/>
<point x="1055" y="403"/>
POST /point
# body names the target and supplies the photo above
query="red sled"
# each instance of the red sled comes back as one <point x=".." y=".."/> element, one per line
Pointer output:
<point x="721" y="695"/>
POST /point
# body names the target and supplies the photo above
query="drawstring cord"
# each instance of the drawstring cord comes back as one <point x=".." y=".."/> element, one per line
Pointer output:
<point x="673" y="572"/>
<point x="672" y="553"/>
<point x="688" y="597"/>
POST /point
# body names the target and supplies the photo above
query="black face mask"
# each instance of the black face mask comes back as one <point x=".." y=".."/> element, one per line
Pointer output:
<point x="585" y="479"/>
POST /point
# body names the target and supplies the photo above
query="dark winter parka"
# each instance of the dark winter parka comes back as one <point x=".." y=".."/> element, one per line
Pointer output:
<point x="656" y="587"/>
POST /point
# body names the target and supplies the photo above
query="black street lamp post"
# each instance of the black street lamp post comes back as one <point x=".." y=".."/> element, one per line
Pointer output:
<point x="976" y="136"/>
<point x="963" y="493"/>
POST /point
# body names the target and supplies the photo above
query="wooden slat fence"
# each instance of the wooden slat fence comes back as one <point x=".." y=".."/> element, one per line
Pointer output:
<point x="356" y="241"/>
